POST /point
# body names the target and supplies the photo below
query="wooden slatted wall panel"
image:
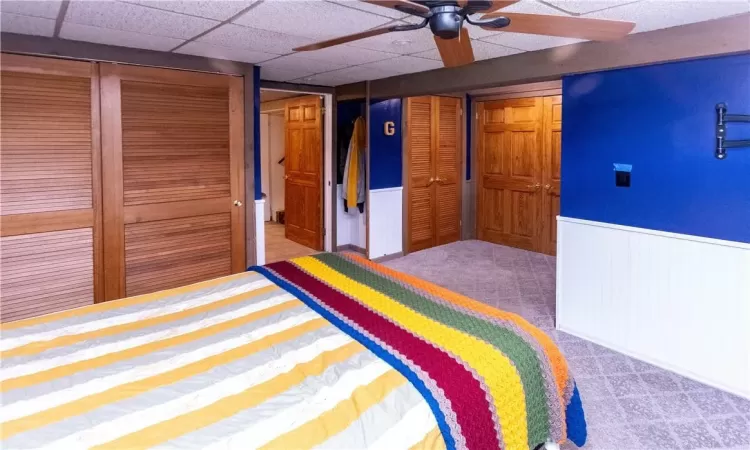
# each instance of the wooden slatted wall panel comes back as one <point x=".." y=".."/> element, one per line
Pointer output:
<point x="448" y="170"/>
<point x="175" y="142"/>
<point x="169" y="253"/>
<point x="45" y="163"/>
<point x="420" y="206"/>
<point x="46" y="272"/>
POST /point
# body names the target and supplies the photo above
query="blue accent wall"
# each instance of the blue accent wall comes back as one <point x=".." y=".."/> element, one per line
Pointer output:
<point x="256" y="133"/>
<point x="386" y="161"/>
<point x="468" y="137"/>
<point x="660" y="119"/>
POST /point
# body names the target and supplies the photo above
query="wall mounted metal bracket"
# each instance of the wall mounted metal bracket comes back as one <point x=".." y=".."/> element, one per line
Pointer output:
<point x="722" y="118"/>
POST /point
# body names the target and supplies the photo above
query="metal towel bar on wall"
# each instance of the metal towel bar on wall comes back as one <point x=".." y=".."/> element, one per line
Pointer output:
<point x="722" y="144"/>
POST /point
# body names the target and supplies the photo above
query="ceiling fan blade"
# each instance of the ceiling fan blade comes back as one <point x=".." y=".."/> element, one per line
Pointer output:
<point x="572" y="27"/>
<point x="403" y="6"/>
<point x="496" y="4"/>
<point x="345" y="39"/>
<point x="455" y="52"/>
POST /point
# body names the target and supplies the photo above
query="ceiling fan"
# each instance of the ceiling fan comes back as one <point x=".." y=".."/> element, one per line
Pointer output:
<point x="446" y="19"/>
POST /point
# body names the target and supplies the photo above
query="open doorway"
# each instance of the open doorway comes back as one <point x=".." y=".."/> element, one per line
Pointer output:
<point x="294" y="161"/>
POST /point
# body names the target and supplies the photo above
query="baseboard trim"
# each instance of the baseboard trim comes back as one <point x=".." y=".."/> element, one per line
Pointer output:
<point x="350" y="248"/>
<point x="385" y="258"/>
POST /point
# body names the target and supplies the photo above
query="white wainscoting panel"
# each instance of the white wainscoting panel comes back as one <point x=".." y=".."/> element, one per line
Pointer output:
<point x="350" y="226"/>
<point x="260" y="233"/>
<point x="386" y="224"/>
<point x="677" y="301"/>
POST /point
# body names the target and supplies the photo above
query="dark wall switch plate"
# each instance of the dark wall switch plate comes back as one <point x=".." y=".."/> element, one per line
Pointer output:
<point x="622" y="179"/>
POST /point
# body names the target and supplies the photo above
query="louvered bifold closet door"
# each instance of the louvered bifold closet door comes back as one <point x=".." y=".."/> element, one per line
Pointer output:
<point x="447" y="131"/>
<point x="50" y="164"/>
<point x="173" y="162"/>
<point x="420" y="138"/>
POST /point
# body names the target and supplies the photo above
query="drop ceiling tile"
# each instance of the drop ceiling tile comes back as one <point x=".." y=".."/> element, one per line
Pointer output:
<point x="274" y="74"/>
<point x="217" y="10"/>
<point x="404" y="64"/>
<point x="108" y="36"/>
<point x="351" y="75"/>
<point x="221" y="52"/>
<point x="135" y="18"/>
<point x="321" y="79"/>
<point x="35" y="8"/>
<point x="16" y="23"/>
<point x="401" y="42"/>
<point x="529" y="42"/>
<point x="374" y="9"/>
<point x="299" y="63"/>
<point x="346" y="55"/>
<point x="482" y="50"/>
<point x="312" y="19"/>
<point x="236" y="36"/>
<point x="532" y="7"/>
<point x="587" y="6"/>
<point x="655" y="14"/>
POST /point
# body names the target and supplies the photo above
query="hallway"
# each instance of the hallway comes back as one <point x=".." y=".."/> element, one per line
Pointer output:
<point x="279" y="248"/>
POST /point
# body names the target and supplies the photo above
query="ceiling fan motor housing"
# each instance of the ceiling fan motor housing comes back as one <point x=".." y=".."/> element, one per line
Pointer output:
<point x="446" y="21"/>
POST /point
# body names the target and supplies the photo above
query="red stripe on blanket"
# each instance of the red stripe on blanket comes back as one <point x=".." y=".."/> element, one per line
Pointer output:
<point x="467" y="398"/>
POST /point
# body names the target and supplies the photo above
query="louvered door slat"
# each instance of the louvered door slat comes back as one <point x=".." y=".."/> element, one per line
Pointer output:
<point x="30" y="159"/>
<point x="174" y="144"/>
<point x="49" y="186"/>
<point x="448" y="170"/>
<point x="420" y="225"/>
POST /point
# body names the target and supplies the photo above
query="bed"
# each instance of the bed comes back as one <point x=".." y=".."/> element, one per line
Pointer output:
<point x="329" y="351"/>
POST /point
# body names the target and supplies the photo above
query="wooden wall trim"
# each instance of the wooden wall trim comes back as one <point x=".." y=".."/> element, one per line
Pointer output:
<point x="525" y="87"/>
<point x="237" y="168"/>
<point x="511" y="95"/>
<point x="42" y="222"/>
<point x="112" y="192"/>
<point x="176" y="210"/>
<point x="45" y="66"/>
<point x="541" y="89"/>
<point x="96" y="184"/>
<point x="63" y="48"/>
<point x="296" y="87"/>
<point x="167" y="76"/>
<point x="710" y="38"/>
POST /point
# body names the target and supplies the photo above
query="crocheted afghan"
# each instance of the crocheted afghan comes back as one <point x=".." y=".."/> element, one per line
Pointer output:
<point x="491" y="378"/>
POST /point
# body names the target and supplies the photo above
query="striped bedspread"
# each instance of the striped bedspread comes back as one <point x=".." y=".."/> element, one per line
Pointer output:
<point x="328" y="351"/>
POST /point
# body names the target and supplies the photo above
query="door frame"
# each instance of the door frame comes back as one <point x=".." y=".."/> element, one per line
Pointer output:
<point x="406" y="166"/>
<point x="328" y="163"/>
<point x="527" y="90"/>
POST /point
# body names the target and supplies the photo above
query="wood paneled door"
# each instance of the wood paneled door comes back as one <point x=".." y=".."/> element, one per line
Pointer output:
<point x="433" y="160"/>
<point x="50" y="199"/>
<point x="173" y="170"/>
<point x="518" y="190"/>
<point x="303" y="172"/>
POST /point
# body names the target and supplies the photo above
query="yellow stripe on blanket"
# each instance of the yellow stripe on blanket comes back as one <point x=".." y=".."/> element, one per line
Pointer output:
<point x="41" y="346"/>
<point x="432" y="441"/>
<point x="338" y="418"/>
<point x="124" y="391"/>
<point x="497" y="371"/>
<point x="162" y="432"/>
<point x="112" y="358"/>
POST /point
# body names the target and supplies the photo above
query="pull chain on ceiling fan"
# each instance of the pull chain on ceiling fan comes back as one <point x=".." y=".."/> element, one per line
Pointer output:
<point x="446" y="19"/>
